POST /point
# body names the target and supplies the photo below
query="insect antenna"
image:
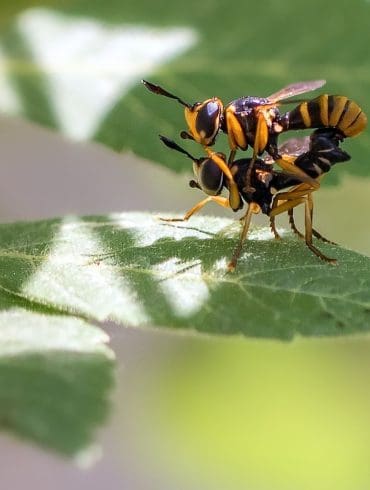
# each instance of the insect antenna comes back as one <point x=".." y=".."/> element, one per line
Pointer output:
<point x="174" y="146"/>
<point x="156" y="89"/>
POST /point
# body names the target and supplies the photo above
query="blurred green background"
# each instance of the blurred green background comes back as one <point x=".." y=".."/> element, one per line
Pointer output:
<point x="197" y="412"/>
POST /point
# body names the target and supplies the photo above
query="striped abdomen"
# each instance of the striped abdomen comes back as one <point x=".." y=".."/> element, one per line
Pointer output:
<point x="324" y="151"/>
<point x="336" y="111"/>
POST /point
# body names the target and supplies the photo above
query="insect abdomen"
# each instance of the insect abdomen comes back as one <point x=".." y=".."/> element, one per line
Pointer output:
<point x="336" y="111"/>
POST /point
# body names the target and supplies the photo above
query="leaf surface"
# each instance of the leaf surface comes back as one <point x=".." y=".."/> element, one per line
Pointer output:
<point x="136" y="270"/>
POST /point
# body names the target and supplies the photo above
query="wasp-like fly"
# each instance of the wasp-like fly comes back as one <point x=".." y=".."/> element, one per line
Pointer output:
<point x="274" y="192"/>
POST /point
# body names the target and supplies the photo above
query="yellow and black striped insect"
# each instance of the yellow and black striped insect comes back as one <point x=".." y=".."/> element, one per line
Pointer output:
<point x="256" y="121"/>
<point x="274" y="192"/>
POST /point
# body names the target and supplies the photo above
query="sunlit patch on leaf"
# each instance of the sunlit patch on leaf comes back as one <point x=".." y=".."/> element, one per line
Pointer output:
<point x="76" y="276"/>
<point x="88" y="65"/>
<point x="183" y="284"/>
<point x="148" y="228"/>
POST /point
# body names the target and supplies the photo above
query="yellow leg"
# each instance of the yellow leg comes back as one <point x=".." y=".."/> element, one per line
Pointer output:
<point x="273" y="228"/>
<point x="287" y="164"/>
<point x="262" y="134"/>
<point x="231" y="157"/>
<point x="234" y="196"/>
<point x="260" y="142"/>
<point x="253" y="208"/>
<point x="301" y="194"/>
<point x="301" y="190"/>
<point x="292" y="224"/>
<point x="314" y="232"/>
<point x="285" y="206"/>
<point x="310" y="205"/>
<point x="259" y="145"/>
<point x="322" y="238"/>
<point x="308" y="233"/>
<point x="282" y="208"/>
<point x="297" y="192"/>
<point x="248" y="189"/>
<point x="222" y="201"/>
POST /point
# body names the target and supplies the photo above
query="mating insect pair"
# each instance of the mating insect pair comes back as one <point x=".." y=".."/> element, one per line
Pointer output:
<point x="274" y="192"/>
<point x="257" y="122"/>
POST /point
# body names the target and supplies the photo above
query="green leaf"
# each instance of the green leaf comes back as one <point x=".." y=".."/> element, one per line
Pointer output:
<point x="58" y="276"/>
<point x="136" y="270"/>
<point x="89" y="87"/>
<point x="55" y="379"/>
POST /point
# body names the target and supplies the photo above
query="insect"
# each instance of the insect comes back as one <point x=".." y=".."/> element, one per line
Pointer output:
<point x="256" y="121"/>
<point x="274" y="192"/>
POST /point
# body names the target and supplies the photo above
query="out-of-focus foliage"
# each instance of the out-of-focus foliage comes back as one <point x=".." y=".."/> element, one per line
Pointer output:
<point x="77" y="67"/>
<point x="228" y="414"/>
<point x="55" y="378"/>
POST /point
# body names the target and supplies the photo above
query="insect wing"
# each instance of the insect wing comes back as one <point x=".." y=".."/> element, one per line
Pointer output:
<point x="295" y="146"/>
<point x="296" y="89"/>
<point x="292" y="147"/>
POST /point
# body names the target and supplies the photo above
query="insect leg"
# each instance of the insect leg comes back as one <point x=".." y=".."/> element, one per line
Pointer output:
<point x="290" y="200"/>
<point x="291" y="211"/>
<point x="315" y="232"/>
<point x="231" y="157"/>
<point x="286" y="163"/>
<point x="260" y="143"/>
<point x="273" y="228"/>
<point x="292" y="224"/>
<point x="302" y="189"/>
<point x="288" y="206"/>
<point x="322" y="238"/>
<point x="222" y="201"/>
<point x="296" y="194"/>
<point x="234" y="196"/>
<point x="308" y="234"/>
<point x="285" y="206"/>
<point x="253" y="208"/>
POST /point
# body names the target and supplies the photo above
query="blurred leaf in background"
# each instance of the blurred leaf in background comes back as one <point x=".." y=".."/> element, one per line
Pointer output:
<point x="77" y="68"/>
<point x="56" y="375"/>
<point x="258" y="415"/>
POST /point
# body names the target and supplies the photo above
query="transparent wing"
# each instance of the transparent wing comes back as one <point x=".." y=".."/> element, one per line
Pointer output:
<point x="295" y="89"/>
<point x="292" y="147"/>
<point x="295" y="146"/>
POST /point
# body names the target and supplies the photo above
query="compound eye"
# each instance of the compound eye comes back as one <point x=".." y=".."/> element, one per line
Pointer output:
<point x="210" y="177"/>
<point x="207" y="121"/>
